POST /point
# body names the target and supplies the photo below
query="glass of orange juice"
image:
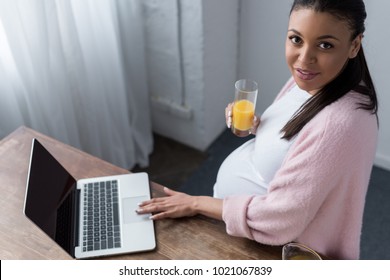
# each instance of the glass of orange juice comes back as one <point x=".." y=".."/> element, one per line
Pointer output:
<point x="297" y="251"/>
<point x="244" y="107"/>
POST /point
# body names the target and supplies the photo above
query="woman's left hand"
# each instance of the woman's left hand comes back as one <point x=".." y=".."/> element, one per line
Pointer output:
<point x="174" y="205"/>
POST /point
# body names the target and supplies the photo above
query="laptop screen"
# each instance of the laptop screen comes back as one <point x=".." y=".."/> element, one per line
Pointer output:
<point x="50" y="197"/>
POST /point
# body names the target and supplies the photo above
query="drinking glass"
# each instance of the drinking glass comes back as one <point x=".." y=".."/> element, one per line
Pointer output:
<point x="297" y="251"/>
<point x="244" y="107"/>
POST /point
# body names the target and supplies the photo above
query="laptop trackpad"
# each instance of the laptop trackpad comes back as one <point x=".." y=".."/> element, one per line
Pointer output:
<point x="129" y="205"/>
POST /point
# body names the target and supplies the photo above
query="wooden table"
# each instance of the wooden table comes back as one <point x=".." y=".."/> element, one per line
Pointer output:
<point x="186" y="238"/>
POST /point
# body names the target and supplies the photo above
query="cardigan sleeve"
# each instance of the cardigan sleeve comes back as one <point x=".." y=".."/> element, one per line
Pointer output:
<point x="314" y="165"/>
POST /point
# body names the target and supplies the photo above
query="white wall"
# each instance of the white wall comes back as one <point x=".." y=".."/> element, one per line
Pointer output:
<point x="190" y="86"/>
<point x="262" y="36"/>
<point x="377" y="41"/>
<point x="162" y="49"/>
<point x="261" y="57"/>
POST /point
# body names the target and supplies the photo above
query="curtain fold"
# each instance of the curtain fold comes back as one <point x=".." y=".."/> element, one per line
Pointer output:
<point x="75" y="70"/>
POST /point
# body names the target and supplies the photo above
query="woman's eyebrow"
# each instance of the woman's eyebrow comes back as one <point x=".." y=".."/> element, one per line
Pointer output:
<point x="328" y="37"/>
<point x="295" y="31"/>
<point x="319" y="38"/>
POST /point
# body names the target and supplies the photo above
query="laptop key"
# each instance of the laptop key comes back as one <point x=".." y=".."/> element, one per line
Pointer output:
<point x="110" y="242"/>
<point x="116" y="214"/>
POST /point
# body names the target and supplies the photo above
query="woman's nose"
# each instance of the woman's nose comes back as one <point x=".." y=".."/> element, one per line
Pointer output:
<point x="307" y="55"/>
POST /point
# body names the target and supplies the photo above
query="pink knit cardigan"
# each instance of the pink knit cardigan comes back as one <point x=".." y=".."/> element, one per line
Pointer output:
<point x="317" y="196"/>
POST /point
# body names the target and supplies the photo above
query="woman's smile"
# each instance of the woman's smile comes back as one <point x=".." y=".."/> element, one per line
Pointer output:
<point x="306" y="75"/>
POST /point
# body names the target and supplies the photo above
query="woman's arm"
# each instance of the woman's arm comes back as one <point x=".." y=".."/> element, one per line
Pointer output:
<point x="177" y="204"/>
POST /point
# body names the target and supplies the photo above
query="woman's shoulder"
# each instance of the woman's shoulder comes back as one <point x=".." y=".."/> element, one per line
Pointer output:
<point x="344" y="117"/>
<point x="346" y="110"/>
<point x="340" y="128"/>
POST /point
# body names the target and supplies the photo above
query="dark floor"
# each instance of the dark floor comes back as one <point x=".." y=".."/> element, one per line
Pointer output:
<point x="182" y="168"/>
<point x="171" y="163"/>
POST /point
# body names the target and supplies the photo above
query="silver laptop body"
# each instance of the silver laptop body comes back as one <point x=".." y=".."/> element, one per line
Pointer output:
<point x="89" y="217"/>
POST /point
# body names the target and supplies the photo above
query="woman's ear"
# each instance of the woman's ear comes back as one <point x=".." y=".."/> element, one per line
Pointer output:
<point x="355" y="46"/>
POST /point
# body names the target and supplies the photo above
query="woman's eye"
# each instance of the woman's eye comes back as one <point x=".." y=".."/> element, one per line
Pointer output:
<point x="295" y="40"/>
<point x="325" y="46"/>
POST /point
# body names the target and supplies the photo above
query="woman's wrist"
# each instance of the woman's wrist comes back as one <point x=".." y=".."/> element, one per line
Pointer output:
<point x="208" y="206"/>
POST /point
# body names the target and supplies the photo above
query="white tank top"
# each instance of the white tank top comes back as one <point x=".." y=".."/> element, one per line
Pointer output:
<point x="250" y="168"/>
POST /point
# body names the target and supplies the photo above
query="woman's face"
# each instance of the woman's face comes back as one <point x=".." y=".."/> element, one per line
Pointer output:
<point x="318" y="45"/>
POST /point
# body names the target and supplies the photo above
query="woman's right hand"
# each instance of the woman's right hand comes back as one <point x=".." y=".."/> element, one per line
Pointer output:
<point x="229" y="114"/>
<point x="229" y="118"/>
<point x="177" y="204"/>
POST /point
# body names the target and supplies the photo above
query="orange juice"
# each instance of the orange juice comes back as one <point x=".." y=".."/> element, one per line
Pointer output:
<point x="243" y="113"/>
<point x="302" y="257"/>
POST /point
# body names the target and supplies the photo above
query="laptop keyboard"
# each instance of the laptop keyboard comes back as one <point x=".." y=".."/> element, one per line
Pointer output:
<point x="101" y="228"/>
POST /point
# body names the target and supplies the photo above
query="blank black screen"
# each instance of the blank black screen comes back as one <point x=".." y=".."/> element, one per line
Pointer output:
<point x="50" y="197"/>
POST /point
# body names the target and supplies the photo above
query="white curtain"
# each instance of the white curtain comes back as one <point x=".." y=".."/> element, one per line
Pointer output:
<point x="75" y="70"/>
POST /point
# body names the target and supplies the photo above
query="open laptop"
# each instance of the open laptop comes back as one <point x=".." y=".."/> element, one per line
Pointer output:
<point x="89" y="217"/>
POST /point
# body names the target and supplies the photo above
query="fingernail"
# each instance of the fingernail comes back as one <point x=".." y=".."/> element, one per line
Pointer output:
<point x="229" y="113"/>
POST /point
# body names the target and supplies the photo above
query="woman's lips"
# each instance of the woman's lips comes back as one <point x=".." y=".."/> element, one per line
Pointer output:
<point x="305" y="74"/>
